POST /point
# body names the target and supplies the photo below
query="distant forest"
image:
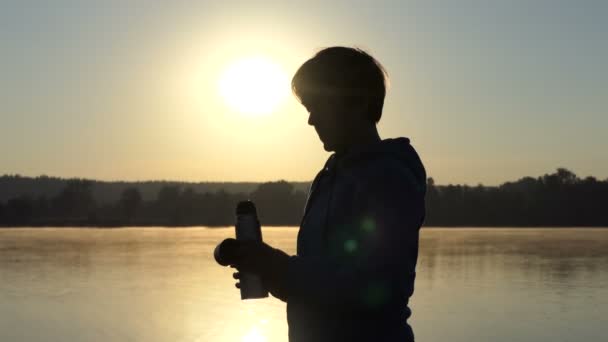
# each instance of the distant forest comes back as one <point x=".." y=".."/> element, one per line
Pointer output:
<point x="557" y="199"/>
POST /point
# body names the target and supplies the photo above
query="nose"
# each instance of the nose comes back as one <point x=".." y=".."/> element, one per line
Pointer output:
<point x="310" y="119"/>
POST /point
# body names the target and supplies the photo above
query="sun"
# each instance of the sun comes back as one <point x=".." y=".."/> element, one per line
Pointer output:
<point x="254" y="86"/>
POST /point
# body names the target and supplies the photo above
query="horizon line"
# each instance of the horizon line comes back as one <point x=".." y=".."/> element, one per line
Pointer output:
<point x="264" y="181"/>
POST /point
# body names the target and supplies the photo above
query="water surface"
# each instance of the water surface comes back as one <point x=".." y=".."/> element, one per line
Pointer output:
<point x="161" y="284"/>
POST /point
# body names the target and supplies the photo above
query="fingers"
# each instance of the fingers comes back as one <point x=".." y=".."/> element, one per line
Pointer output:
<point x="237" y="275"/>
<point x="234" y="252"/>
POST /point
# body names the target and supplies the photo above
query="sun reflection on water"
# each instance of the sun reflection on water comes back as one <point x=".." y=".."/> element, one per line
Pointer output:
<point x="254" y="335"/>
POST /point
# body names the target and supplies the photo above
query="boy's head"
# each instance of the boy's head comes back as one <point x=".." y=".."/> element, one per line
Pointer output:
<point x="343" y="72"/>
<point x="343" y="89"/>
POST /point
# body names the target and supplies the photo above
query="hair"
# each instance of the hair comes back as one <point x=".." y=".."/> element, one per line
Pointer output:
<point x="342" y="72"/>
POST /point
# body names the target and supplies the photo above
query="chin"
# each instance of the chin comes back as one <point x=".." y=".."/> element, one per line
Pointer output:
<point x="328" y="148"/>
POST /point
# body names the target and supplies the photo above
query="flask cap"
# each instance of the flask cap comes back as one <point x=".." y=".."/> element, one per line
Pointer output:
<point x="246" y="208"/>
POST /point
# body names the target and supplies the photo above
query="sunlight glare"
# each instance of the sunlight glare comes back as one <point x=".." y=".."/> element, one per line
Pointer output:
<point x="254" y="335"/>
<point x="254" y="86"/>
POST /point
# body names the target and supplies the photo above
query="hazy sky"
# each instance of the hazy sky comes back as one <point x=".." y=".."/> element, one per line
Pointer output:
<point x="488" y="91"/>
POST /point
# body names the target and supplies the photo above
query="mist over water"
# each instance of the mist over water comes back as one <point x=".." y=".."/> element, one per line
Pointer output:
<point x="162" y="284"/>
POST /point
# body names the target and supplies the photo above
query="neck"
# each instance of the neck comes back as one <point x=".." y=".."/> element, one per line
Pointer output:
<point x="366" y="134"/>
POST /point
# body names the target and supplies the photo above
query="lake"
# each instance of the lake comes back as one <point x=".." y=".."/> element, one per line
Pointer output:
<point x="162" y="284"/>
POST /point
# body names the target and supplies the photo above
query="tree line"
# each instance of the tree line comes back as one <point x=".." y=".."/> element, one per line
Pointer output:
<point x="12" y="186"/>
<point x="278" y="203"/>
<point x="557" y="199"/>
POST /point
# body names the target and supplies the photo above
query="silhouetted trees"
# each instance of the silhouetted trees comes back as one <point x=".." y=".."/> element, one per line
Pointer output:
<point x="75" y="201"/>
<point x="109" y="192"/>
<point x="20" y="209"/>
<point x="129" y="203"/>
<point x="557" y="199"/>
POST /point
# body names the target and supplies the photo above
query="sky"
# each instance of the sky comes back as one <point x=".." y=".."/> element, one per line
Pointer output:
<point x="487" y="91"/>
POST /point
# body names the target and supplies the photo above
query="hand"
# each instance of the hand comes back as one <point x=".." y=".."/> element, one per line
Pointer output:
<point x="249" y="255"/>
<point x="276" y="289"/>
<point x="259" y="258"/>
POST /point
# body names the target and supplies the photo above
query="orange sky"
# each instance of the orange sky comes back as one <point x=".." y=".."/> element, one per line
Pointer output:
<point x="487" y="94"/>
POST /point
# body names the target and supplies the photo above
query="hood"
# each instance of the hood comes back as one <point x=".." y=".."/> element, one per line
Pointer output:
<point x="398" y="149"/>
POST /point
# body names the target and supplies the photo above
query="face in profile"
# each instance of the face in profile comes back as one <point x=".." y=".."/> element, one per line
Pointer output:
<point x="329" y="119"/>
<point x="337" y="120"/>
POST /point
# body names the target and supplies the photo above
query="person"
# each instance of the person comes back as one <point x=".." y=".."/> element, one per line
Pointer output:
<point x="357" y="246"/>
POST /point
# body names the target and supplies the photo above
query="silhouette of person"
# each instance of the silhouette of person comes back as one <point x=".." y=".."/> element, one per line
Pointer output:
<point x="357" y="246"/>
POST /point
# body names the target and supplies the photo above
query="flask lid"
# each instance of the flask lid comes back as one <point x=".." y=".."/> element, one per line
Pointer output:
<point x="246" y="208"/>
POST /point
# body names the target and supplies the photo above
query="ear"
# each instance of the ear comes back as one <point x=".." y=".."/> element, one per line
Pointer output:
<point x="360" y="106"/>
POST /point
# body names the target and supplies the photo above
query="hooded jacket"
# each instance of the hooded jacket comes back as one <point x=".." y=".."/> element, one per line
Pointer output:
<point x="357" y="247"/>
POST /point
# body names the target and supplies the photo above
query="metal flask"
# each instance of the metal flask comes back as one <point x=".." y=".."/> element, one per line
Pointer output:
<point x="248" y="228"/>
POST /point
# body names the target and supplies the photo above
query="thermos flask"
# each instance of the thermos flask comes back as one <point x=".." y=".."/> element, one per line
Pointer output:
<point x="247" y="228"/>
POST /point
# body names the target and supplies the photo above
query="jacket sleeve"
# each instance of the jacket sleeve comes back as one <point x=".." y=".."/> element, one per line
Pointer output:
<point x="376" y="251"/>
